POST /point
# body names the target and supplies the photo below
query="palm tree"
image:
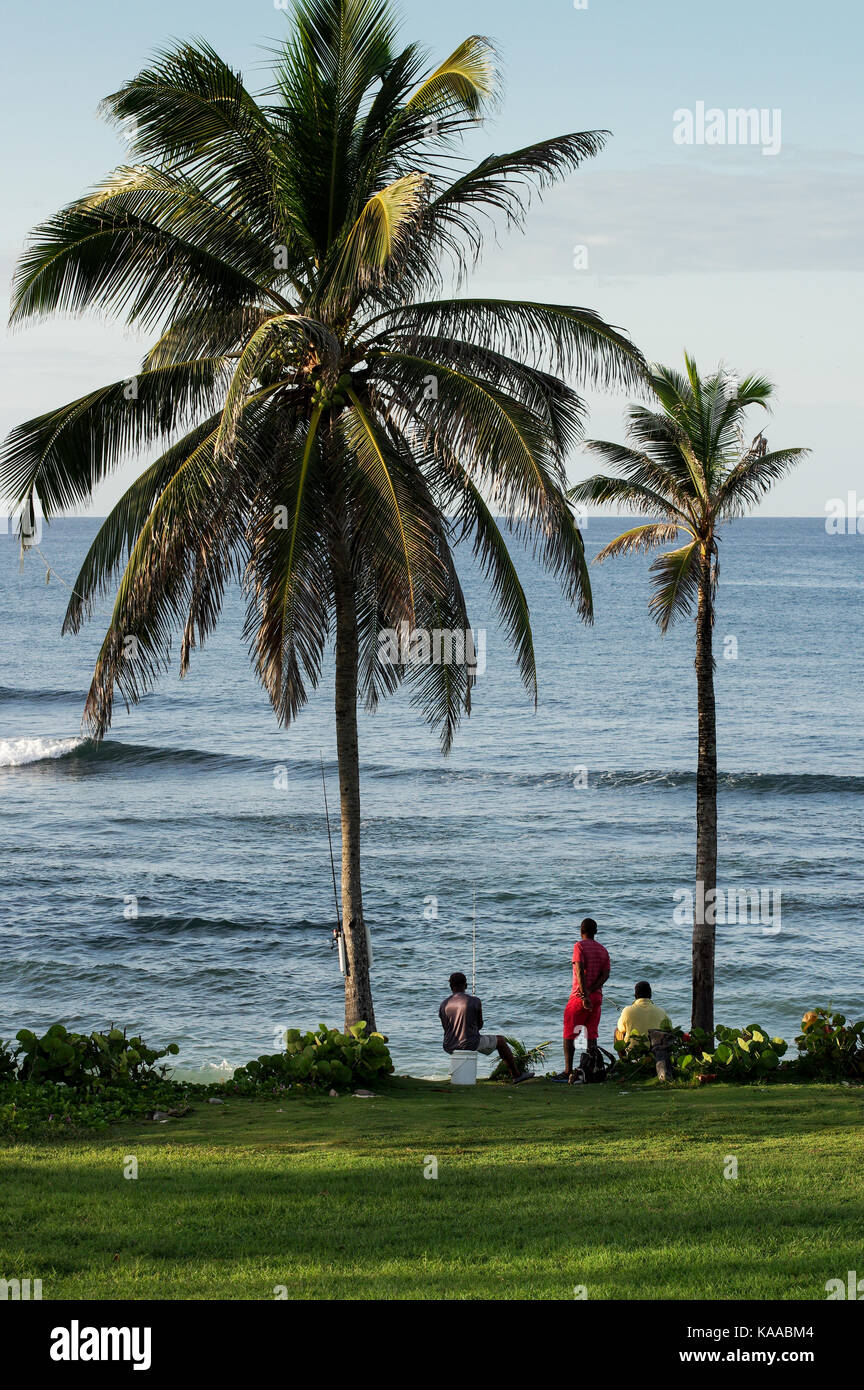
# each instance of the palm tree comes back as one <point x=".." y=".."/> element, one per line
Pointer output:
<point x="688" y="467"/>
<point x="329" y="424"/>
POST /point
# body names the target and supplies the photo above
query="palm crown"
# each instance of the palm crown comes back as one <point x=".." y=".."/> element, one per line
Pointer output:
<point x="688" y="467"/>
<point x="329" y="424"/>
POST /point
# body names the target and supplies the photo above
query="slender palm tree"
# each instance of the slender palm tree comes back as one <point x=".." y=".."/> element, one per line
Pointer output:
<point x="329" y="424"/>
<point x="687" y="466"/>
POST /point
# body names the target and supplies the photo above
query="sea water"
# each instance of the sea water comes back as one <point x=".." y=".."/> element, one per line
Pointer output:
<point x="177" y="877"/>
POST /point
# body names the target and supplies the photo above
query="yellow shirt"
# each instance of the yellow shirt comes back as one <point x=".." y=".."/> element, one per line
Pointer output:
<point x="641" y="1015"/>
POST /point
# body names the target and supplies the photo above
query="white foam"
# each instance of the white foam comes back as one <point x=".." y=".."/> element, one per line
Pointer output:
<point x="16" y="752"/>
<point x="209" y="1073"/>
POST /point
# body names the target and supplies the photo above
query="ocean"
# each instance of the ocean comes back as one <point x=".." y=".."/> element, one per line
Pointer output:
<point x="176" y="879"/>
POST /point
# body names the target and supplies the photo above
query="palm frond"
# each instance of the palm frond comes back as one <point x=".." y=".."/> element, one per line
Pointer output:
<point x="185" y="553"/>
<point x="120" y="530"/>
<point x="291" y="336"/>
<point x="63" y="455"/>
<point x="82" y="260"/>
<point x="676" y="584"/>
<point x="496" y="436"/>
<point x="191" y="111"/>
<point x="604" y="491"/>
<point x="637" y="539"/>
<point x="745" y="485"/>
<point x="465" y="83"/>
<point x="567" y="340"/>
<point x="288" y="582"/>
<point x="377" y="237"/>
<point x="503" y="184"/>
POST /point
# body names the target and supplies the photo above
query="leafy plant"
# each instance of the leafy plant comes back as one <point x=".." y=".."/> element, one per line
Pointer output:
<point x="637" y="1061"/>
<point x="829" y="1047"/>
<point x="50" y="1108"/>
<point x="87" y="1061"/>
<point x="8" y="1065"/>
<point x="525" y="1057"/>
<point x="116" y="1058"/>
<point x="325" y="1057"/>
<point x="740" y="1054"/>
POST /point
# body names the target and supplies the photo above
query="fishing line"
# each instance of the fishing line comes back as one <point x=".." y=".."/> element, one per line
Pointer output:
<point x="474" y="944"/>
<point x="51" y="573"/>
<point x="338" y="937"/>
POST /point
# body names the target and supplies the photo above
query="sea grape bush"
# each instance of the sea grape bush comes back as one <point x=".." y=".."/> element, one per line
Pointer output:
<point x="829" y="1047"/>
<point x="86" y="1061"/>
<point x="49" y="1108"/>
<point x="636" y="1060"/>
<point x="740" y="1055"/>
<point x="325" y="1057"/>
<point x="75" y="1083"/>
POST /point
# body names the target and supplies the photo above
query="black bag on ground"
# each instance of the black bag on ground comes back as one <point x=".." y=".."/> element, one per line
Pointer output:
<point x="592" y="1066"/>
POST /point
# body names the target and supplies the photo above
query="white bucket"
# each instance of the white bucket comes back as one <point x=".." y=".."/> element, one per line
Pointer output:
<point x="463" y="1068"/>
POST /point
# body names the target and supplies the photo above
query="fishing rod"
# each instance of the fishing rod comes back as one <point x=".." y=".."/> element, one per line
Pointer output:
<point x="338" y="937"/>
<point x="474" y="944"/>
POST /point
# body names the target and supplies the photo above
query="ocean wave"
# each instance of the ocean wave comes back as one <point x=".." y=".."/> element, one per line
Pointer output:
<point x="782" y="783"/>
<point x="9" y="693"/>
<point x="18" y="752"/>
<point x="83" y="752"/>
<point x="208" y="1074"/>
<point x="217" y="926"/>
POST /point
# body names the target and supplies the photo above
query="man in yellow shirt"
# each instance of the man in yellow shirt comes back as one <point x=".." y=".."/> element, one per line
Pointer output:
<point x="641" y="1016"/>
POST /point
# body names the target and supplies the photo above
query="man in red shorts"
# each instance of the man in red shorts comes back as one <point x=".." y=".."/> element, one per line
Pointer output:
<point x="591" y="968"/>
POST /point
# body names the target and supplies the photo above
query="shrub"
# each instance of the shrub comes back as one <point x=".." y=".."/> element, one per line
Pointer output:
<point x="8" y="1065"/>
<point x="636" y="1060"/>
<point x="49" y="1108"/>
<point x="830" y="1047"/>
<point x="741" y="1054"/>
<point x="526" y="1057"/>
<point x="88" y="1061"/>
<point x="325" y="1057"/>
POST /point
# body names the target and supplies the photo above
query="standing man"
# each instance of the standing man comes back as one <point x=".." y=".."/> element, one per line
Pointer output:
<point x="591" y="968"/>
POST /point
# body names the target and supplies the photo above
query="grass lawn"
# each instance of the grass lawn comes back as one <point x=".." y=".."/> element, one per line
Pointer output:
<point x="540" y="1188"/>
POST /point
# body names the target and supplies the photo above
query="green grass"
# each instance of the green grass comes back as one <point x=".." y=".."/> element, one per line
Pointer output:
<point x="540" y="1188"/>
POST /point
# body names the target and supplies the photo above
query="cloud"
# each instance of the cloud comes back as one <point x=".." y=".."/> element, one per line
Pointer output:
<point x="689" y="217"/>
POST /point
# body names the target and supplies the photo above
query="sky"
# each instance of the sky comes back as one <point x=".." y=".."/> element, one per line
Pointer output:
<point x="745" y="257"/>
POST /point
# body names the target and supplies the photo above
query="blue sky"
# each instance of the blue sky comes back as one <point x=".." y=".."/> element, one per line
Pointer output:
<point x="753" y="259"/>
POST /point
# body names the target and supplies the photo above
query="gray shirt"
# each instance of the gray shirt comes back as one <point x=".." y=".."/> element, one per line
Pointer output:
<point x="462" y="1019"/>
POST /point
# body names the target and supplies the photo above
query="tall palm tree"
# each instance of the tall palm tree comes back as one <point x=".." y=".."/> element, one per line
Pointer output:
<point x="687" y="466"/>
<point x="330" y="424"/>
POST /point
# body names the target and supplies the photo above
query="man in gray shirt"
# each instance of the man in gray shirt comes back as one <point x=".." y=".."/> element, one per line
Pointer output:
<point x="461" y="1018"/>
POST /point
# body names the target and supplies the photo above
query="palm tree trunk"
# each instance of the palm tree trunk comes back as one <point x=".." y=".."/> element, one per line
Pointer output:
<point x="358" y="986"/>
<point x="706" y="807"/>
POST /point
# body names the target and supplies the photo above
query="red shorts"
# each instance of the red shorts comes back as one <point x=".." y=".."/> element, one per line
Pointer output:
<point x="576" y="1015"/>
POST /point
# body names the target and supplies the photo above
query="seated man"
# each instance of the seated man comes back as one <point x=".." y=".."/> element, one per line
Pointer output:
<point x="461" y="1018"/>
<point x="640" y="1017"/>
